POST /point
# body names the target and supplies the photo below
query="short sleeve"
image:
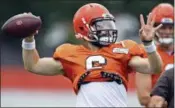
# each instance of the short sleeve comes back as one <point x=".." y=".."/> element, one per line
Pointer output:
<point x="135" y="49"/>
<point x="62" y="51"/>
<point x="161" y="88"/>
<point x="143" y="50"/>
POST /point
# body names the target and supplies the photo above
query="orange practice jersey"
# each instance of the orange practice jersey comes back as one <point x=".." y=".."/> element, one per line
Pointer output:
<point x="77" y="60"/>
<point x="168" y="61"/>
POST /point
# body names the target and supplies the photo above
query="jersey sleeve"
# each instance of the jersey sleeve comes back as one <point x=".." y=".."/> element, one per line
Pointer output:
<point x="164" y="85"/>
<point x="135" y="49"/>
<point x="143" y="50"/>
<point x="62" y="51"/>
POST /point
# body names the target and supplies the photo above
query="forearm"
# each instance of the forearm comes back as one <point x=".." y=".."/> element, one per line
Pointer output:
<point x="30" y="57"/>
<point x="33" y="63"/>
<point x="155" y="62"/>
<point x="144" y="97"/>
<point x="154" y="59"/>
<point x="143" y="87"/>
<point x="144" y="100"/>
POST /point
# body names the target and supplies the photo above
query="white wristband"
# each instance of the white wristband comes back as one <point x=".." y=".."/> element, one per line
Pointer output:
<point x="28" y="45"/>
<point x="150" y="48"/>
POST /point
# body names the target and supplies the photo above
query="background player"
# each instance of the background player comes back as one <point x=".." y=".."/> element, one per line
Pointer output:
<point x="164" y="38"/>
<point x="99" y="67"/>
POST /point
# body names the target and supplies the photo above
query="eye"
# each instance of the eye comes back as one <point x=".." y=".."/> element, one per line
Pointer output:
<point x="167" y="26"/>
<point x="171" y="27"/>
<point x="99" y="26"/>
<point x="102" y="33"/>
<point x="163" y="27"/>
<point x="99" y="32"/>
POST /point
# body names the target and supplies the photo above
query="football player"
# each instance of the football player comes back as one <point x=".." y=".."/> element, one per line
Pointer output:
<point x="98" y="68"/>
<point x="164" y="38"/>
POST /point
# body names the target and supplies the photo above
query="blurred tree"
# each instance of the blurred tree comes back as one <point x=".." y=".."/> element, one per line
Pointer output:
<point x="53" y="11"/>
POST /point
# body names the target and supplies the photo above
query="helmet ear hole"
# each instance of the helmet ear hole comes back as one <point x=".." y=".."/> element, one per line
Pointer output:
<point x="91" y="5"/>
<point x="81" y="28"/>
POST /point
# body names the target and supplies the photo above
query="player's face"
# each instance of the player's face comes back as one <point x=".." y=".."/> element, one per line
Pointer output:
<point x="166" y="34"/>
<point x="166" y="31"/>
<point x="104" y="31"/>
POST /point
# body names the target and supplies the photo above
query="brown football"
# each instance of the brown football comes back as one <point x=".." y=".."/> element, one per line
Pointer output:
<point x="22" y="25"/>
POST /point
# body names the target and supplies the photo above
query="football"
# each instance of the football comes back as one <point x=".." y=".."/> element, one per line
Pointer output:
<point x="22" y="25"/>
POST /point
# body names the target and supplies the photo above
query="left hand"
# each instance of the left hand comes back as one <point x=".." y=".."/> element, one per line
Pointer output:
<point x="147" y="31"/>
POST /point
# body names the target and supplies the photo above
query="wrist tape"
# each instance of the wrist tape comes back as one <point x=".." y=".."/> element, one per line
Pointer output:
<point x="28" y="45"/>
<point x="150" y="48"/>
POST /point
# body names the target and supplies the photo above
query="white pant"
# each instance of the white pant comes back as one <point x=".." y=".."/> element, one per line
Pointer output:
<point x="102" y="94"/>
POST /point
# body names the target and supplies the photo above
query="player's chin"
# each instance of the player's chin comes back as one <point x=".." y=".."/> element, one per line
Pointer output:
<point x="165" y="45"/>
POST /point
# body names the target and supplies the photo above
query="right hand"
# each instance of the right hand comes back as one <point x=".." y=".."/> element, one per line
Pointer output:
<point x="31" y="37"/>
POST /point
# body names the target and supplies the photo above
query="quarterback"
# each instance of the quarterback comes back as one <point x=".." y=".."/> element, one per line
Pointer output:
<point x="99" y="67"/>
<point x="164" y="38"/>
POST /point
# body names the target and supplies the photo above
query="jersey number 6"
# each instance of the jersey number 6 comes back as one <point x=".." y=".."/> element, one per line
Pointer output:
<point x="95" y="62"/>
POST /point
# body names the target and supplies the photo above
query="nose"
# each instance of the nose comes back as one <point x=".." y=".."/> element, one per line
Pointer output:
<point x="168" y="30"/>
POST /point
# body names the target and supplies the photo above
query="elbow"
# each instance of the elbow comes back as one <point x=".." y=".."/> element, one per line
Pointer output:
<point x="157" y="69"/>
<point x="144" y="100"/>
<point x="31" y="70"/>
<point x="28" y="68"/>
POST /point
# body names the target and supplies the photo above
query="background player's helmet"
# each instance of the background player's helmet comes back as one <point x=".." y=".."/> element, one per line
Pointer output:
<point x="94" y="21"/>
<point x="164" y="14"/>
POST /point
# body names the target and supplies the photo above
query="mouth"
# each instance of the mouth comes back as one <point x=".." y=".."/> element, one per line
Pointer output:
<point x="166" y="40"/>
